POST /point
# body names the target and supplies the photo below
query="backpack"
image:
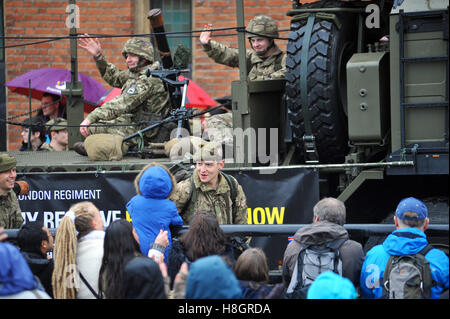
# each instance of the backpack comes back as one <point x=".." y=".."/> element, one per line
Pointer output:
<point x="408" y="276"/>
<point x="313" y="260"/>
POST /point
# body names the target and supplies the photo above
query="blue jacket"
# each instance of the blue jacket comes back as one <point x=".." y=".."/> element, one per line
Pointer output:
<point x="376" y="259"/>
<point x="15" y="275"/>
<point x="151" y="211"/>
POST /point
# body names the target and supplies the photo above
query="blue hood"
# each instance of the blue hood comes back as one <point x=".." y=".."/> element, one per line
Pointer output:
<point x="15" y="275"/>
<point x="405" y="241"/>
<point x="155" y="182"/>
<point x="210" y="278"/>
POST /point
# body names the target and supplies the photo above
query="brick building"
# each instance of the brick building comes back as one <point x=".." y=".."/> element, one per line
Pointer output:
<point x="119" y="17"/>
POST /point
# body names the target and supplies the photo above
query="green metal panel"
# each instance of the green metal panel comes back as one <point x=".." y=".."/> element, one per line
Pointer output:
<point x="368" y="97"/>
<point x="256" y="109"/>
<point x="424" y="82"/>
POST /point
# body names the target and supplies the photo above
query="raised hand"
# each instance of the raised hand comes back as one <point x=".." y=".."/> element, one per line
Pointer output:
<point x="90" y="45"/>
<point x="205" y="36"/>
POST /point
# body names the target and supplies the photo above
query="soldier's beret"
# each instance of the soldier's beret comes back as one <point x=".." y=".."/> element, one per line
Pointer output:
<point x="6" y="162"/>
<point x="57" y="124"/>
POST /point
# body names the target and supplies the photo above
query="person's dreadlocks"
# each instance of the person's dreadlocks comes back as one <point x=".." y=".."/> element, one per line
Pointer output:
<point x="65" y="276"/>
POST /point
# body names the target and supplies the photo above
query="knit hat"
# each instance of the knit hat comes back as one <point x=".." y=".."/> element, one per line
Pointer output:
<point x="329" y="285"/>
<point x="412" y="205"/>
<point x="211" y="278"/>
<point x="6" y="162"/>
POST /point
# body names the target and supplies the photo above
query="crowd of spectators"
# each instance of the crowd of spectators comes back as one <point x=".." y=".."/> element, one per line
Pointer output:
<point x="92" y="262"/>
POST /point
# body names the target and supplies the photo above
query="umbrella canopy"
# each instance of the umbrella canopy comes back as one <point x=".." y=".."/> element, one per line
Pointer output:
<point x="53" y="80"/>
<point x="196" y="96"/>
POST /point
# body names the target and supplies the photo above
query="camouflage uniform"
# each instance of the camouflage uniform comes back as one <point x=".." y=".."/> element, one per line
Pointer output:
<point x="10" y="213"/>
<point x="219" y="128"/>
<point x="273" y="67"/>
<point x="209" y="199"/>
<point x="143" y="98"/>
<point x="47" y="147"/>
<point x="258" y="68"/>
<point x="217" y="200"/>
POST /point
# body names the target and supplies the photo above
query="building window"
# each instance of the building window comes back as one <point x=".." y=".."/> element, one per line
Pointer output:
<point x="177" y="18"/>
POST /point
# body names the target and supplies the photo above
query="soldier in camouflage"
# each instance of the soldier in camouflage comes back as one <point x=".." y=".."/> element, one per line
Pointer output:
<point x="10" y="213"/>
<point x="265" y="60"/>
<point x="143" y="98"/>
<point x="59" y="136"/>
<point x="211" y="190"/>
<point x="219" y="128"/>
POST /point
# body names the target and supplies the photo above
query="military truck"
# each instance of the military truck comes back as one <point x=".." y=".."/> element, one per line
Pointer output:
<point x="363" y="108"/>
<point x="365" y="102"/>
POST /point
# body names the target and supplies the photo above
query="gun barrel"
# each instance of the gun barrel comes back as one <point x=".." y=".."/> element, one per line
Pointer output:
<point x="157" y="23"/>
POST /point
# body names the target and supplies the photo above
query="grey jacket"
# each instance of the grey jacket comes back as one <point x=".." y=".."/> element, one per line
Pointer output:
<point x="321" y="232"/>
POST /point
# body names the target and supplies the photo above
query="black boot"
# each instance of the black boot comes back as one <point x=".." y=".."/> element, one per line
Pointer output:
<point x="79" y="148"/>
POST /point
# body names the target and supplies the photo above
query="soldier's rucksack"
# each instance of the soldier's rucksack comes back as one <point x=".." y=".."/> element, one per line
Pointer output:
<point x="408" y="276"/>
<point x="311" y="262"/>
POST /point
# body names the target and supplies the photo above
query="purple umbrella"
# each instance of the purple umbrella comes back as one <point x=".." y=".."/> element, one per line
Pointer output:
<point x="53" y="80"/>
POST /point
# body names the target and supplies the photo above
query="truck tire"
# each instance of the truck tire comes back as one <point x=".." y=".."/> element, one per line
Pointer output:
<point x="329" y="50"/>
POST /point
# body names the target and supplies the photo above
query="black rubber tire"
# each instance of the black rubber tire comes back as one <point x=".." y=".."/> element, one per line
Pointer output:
<point x="329" y="50"/>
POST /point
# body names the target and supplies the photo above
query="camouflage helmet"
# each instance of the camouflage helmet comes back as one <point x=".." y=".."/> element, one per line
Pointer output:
<point x="262" y="25"/>
<point x="140" y="47"/>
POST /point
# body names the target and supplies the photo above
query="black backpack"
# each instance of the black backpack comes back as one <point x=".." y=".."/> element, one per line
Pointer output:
<point x="311" y="262"/>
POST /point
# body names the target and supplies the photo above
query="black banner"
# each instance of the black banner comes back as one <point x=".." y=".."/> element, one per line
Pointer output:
<point x="285" y="197"/>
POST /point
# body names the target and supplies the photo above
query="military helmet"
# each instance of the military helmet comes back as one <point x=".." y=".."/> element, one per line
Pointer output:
<point x="140" y="47"/>
<point x="262" y="26"/>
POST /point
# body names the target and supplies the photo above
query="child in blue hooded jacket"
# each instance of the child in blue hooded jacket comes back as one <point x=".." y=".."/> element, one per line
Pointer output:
<point x="150" y="210"/>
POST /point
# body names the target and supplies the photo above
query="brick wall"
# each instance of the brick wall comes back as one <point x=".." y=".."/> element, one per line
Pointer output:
<point x="47" y="18"/>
